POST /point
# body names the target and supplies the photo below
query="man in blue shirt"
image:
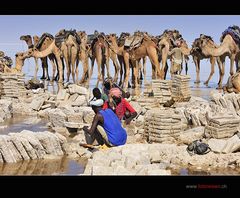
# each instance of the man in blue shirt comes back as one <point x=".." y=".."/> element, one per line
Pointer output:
<point x="106" y="127"/>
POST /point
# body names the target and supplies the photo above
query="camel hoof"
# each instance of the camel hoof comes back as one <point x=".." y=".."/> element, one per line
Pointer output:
<point x="43" y="78"/>
<point x="205" y="83"/>
<point x="196" y="82"/>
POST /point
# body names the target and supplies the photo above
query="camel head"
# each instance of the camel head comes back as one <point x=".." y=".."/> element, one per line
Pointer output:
<point x="83" y="36"/>
<point x="111" y="38"/>
<point x="35" y="39"/>
<point x="19" y="59"/>
<point x="124" y="35"/>
<point x="25" y="38"/>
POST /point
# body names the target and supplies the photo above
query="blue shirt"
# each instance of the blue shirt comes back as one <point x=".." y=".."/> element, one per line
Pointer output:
<point x="117" y="135"/>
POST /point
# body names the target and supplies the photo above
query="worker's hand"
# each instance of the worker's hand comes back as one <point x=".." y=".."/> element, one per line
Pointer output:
<point x="127" y="121"/>
<point x="85" y="128"/>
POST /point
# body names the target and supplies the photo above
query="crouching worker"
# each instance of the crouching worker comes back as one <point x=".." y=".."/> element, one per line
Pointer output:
<point x="106" y="128"/>
<point x="120" y="106"/>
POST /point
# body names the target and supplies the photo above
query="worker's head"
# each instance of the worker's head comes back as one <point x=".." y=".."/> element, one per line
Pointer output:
<point x="96" y="105"/>
<point x="116" y="94"/>
<point x="97" y="93"/>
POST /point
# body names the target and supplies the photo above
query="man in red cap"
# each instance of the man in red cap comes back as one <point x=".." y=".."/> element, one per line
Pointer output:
<point x="120" y="105"/>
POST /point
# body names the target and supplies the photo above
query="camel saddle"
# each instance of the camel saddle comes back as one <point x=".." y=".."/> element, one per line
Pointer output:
<point x="133" y="41"/>
<point x="63" y="35"/>
<point x="42" y="39"/>
<point x="234" y="31"/>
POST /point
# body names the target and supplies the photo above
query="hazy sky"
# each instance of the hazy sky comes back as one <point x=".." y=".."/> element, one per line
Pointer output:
<point x="13" y="26"/>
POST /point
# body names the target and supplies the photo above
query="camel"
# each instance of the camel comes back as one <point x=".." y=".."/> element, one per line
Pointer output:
<point x="42" y="43"/>
<point x="51" y="49"/>
<point x="166" y="42"/>
<point x="147" y="48"/>
<point x="19" y="62"/>
<point x="228" y="48"/>
<point x="100" y="52"/>
<point x="69" y="45"/>
<point x="83" y="56"/>
<point x="198" y="55"/>
<point x="45" y="40"/>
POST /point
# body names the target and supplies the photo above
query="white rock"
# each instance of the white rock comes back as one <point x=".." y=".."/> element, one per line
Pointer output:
<point x="216" y="145"/>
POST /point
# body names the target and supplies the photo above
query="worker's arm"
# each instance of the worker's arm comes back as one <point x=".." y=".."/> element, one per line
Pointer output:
<point x="97" y="119"/>
<point x="171" y="52"/>
<point x="131" y="110"/>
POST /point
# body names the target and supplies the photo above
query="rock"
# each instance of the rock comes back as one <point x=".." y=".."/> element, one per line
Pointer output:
<point x="216" y="145"/>
<point x="62" y="93"/>
<point x="35" y="143"/>
<point x="18" y="144"/>
<point x="80" y="101"/>
<point x="73" y="88"/>
<point x="37" y="103"/>
<point x="159" y="172"/>
<point x="80" y="137"/>
<point x="76" y="117"/>
<point x="50" y="142"/>
<point x="102" y="170"/>
<point x="232" y="144"/>
<point x="74" y="125"/>
<point x="27" y="146"/>
<point x="155" y="157"/>
<point x="46" y="106"/>
<point x="57" y="117"/>
<point x="73" y="97"/>
<point x="190" y="135"/>
<point x="7" y="150"/>
<point x="88" y="115"/>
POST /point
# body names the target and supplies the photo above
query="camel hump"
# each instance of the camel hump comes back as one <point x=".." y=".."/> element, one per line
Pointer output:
<point x="42" y="39"/>
<point x="234" y="32"/>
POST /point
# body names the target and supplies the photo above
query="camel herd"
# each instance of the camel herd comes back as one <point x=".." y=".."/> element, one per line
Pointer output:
<point x="126" y="51"/>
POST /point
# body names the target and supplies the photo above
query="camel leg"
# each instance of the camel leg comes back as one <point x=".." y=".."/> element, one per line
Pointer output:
<point x="164" y="60"/>
<point x="120" y="59"/>
<point x="85" y="71"/>
<point x="186" y="67"/>
<point x="60" y="69"/>
<point x="127" y="71"/>
<point x="53" y="67"/>
<point x="197" y="65"/>
<point x="67" y="61"/>
<point x="99" y="64"/>
<point x="232" y="58"/>
<point x="36" y="68"/>
<point x="45" y="67"/>
<point x="212" y="61"/>
<point x="152" y="54"/>
<point x="92" y="66"/>
<point x="144" y="68"/>
<point x="140" y="69"/>
<point x="221" y="64"/>
<point x="116" y="66"/>
<point x="107" y="60"/>
<point x="77" y="71"/>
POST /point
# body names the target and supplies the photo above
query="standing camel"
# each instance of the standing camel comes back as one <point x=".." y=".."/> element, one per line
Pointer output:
<point x="68" y="42"/>
<point x="228" y="48"/>
<point x="198" y="55"/>
<point x="41" y="44"/>
<point x="52" y="49"/>
<point x="45" y="40"/>
<point x="146" y="48"/>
